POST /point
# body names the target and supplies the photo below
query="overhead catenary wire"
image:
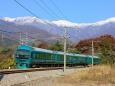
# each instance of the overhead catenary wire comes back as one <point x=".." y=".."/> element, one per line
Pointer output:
<point x="43" y="20"/>
<point x="65" y="16"/>
<point x="23" y="32"/>
<point x="57" y="16"/>
<point x="10" y="37"/>
<point x="53" y="26"/>
<point x="59" y="10"/>
<point x="10" y="32"/>
<point x="18" y="39"/>
<point x="34" y="14"/>
<point x="82" y="31"/>
<point x="43" y="9"/>
<point x="50" y="9"/>
<point x="46" y="11"/>
<point x="39" y="17"/>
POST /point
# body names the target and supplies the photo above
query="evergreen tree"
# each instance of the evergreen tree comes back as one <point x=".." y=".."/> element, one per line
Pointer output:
<point x="107" y="53"/>
<point x="57" y="47"/>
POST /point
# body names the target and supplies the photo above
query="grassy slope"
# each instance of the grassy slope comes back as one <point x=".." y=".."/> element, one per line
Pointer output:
<point x="97" y="75"/>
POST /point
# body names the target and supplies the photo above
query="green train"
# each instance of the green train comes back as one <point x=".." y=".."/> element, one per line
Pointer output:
<point x="29" y="57"/>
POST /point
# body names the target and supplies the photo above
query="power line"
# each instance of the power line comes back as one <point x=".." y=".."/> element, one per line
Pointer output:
<point x="39" y="40"/>
<point x="39" y="17"/>
<point x="58" y="9"/>
<point x="10" y="37"/>
<point x="56" y="15"/>
<point x="46" y="10"/>
<point x="9" y="32"/>
<point x="43" y="9"/>
<point x="22" y="34"/>
<point x="34" y="14"/>
<point x="21" y="37"/>
<point x="82" y="31"/>
<point x="50" y="9"/>
<point x="63" y="14"/>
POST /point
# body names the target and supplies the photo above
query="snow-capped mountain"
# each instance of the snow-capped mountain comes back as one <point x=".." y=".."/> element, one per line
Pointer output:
<point x="12" y="30"/>
<point x="76" y="31"/>
<point x="34" y="20"/>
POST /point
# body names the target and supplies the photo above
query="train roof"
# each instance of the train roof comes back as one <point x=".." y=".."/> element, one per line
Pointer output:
<point x="55" y="52"/>
<point x="93" y="56"/>
<point x="23" y="47"/>
<point x="42" y="50"/>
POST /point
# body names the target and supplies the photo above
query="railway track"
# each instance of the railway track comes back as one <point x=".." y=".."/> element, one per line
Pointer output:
<point x="12" y="71"/>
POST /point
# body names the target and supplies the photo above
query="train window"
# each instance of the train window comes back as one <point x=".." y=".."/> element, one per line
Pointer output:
<point x="32" y="55"/>
<point x="48" y="56"/>
<point x="80" y="59"/>
<point x="37" y="55"/>
<point x="60" y="57"/>
<point x="69" y="58"/>
<point x="40" y="56"/>
<point x="44" y="56"/>
<point x="23" y="53"/>
<point x="51" y="57"/>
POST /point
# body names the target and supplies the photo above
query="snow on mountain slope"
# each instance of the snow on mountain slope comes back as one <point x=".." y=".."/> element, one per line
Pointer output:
<point x="32" y="20"/>
<point x="23" y="20"/>
<point x="78" y="30"/>
<point x="11" y="30"/>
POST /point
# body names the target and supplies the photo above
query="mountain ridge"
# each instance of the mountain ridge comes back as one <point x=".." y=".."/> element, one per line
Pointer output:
<point x="13" y="30"/>
<point x="29" y="19"/>
<point x="78" y="30"/>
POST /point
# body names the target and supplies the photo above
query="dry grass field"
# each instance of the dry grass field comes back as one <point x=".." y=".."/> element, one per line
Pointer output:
<point x="98" y="75"/>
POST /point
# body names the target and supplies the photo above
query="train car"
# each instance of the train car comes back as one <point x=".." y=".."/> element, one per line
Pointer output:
<point x="23" y="57"/>
<point x="27" y="57"/>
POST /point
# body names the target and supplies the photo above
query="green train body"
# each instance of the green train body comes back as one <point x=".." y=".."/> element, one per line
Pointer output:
<point x="27" y="57"/>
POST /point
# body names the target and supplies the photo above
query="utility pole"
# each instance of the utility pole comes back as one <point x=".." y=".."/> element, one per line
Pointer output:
<point x="3" y="40"/>
<point x="20" y="38"/>
<point x="65" y="48"/>
<point x="92" y="53"/>
<point x="26" y="38"/>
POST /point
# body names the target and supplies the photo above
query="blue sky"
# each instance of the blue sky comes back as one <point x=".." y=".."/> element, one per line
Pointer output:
<point x="78" y="11"/>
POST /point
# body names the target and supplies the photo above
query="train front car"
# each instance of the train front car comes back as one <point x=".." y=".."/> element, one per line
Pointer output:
<point x="23" y="57"/>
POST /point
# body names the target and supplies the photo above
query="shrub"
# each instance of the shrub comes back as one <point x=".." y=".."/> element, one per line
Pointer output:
<point x="6" y="63"/>
<point x="5" y="51"/>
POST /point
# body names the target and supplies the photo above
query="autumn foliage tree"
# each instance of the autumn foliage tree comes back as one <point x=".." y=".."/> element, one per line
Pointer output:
<point x="84" y="46"/>
<point x="6" y="59"/>
<point x="104" y="46"/>
<point x="43" y="45"/>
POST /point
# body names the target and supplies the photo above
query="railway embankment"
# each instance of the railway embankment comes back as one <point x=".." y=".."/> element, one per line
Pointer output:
<point x="101" y="75"/>
<point x="37" y="78"/>
<point x="96" y="76"/>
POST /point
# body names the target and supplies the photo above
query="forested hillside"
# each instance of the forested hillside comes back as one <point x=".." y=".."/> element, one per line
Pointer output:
<point x="104" y="46"/>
